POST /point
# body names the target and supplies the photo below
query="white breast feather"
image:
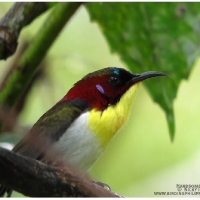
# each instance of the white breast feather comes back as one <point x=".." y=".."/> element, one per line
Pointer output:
<point x="78" y="145"/>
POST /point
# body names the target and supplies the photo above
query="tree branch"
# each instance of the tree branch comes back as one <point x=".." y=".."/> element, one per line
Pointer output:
<point x="18" y="16"/>
<point x="35" y="179"/>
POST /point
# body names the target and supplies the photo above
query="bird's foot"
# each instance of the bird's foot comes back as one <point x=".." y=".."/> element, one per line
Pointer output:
<point x="104" y="185"/>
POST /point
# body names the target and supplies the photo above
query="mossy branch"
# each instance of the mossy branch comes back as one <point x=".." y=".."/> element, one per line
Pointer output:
<point x="36" y="179"/>
<point x="18" y="16"/>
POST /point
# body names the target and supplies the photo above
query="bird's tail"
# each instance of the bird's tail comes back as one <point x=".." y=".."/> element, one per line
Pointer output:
<point x="4" y="190"/>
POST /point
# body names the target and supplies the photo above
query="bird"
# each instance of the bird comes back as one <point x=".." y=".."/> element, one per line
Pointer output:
<point x="80" y="126"/>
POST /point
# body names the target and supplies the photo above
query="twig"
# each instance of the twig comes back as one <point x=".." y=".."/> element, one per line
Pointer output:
<point x="36" y="179"/>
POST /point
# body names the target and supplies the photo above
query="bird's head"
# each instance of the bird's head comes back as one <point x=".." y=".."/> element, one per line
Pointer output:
<point x="106" y="86"/>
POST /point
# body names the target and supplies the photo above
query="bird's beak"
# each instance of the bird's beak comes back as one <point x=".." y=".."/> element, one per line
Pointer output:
<point x="140" y="77"/>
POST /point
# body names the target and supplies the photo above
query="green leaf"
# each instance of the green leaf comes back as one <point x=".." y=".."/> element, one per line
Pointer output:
<point x="153" y="36"/>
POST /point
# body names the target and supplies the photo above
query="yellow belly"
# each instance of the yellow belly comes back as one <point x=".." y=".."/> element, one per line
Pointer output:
<point x="105" y="124"/>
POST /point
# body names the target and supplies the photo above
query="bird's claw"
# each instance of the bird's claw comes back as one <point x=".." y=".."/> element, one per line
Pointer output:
<point x="104" y="185"/>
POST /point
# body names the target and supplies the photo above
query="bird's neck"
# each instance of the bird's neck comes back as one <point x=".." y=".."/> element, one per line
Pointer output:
<point x="105" y="124"/>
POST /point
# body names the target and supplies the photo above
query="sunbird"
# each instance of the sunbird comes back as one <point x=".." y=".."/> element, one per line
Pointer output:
<point x="80" y="126"/>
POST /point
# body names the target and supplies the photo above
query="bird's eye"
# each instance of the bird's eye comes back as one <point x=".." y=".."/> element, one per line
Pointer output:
<point x="113" y="80"/>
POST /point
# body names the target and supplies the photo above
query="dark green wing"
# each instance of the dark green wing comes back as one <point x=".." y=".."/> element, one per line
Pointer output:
<point x="47" y="130"/>
<point x="50" y="127"/>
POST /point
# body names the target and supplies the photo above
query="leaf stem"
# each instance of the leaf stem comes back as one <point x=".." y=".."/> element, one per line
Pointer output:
<point x="27" y="65"/>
